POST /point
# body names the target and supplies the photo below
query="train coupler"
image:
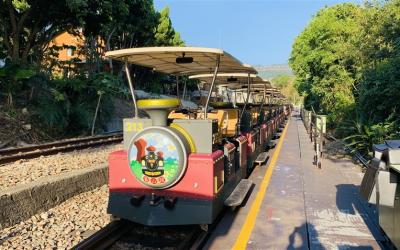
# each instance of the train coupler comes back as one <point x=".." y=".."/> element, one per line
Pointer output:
<point x="154" y="200"/>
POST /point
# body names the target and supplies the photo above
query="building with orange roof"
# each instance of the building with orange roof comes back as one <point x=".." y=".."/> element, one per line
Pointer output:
<point x="68" y="52"/>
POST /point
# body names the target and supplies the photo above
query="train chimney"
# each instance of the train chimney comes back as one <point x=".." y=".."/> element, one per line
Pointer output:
<point x="158" y="109"/>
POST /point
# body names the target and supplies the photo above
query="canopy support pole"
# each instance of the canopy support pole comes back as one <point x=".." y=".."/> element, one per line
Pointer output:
<point x="177" y="92"/>
<point x="128" y="76"/>
<point x="245" y="103"/>
<point x="177" y="86"/>
<point x="235" y="99"/>
<point x="269" y="107"/>
<point x="247" y="97"/>
<point x="199" y="88"/>
<point x="227" y="94"/>
<point x="212" y="86"/>
<point x="263" y="100"/>
<point x="184" y="90"/>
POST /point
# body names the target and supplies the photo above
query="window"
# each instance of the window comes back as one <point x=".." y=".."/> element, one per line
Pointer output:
<point x="70" y="52"/>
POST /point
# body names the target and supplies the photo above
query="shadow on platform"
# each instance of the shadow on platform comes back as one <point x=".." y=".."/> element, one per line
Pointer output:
<point x="349" y="202"/>
<point x="303" y="233"/>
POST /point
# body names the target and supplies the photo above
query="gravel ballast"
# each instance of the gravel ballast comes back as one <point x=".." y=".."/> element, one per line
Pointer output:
<point x="61" y="227"/>
<point x="26" y="171"/>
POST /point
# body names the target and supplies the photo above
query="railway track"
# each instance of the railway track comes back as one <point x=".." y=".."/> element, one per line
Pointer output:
<point x="30" y="152"/>
<point x="123" y="234"/>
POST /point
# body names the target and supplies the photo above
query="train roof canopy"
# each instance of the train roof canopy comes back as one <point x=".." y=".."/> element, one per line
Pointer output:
<point x="225" y="78"/>
<point x="260" y="89"/>
<point x="257" y="83"/>
<point x="181" y="60"/>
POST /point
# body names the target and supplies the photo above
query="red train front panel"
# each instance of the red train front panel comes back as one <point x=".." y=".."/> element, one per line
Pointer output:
<point x="193" y="200"/>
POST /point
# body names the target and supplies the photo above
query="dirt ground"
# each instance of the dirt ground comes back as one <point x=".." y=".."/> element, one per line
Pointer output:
<point x="336" y="150"/>
<point x="17" y="130"/>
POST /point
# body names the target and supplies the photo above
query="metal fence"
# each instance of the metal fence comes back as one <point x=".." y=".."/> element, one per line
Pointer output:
<point x="316" y="128"/>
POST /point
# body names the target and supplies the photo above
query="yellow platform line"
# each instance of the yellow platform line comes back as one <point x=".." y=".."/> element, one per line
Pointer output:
<point x="248" y="226"/>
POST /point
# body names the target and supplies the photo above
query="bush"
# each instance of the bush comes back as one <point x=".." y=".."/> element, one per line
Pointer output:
<point x="360" y="133"/>
<point x="67" y="106"/>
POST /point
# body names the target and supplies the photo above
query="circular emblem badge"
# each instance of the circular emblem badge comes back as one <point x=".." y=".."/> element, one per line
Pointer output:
<point x="157" y="157"/>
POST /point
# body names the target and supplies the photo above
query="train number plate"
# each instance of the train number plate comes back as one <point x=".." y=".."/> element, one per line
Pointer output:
<point x="133" y="126"/>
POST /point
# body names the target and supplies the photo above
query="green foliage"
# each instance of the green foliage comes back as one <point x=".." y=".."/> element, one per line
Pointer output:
<point x="11" y="77"/>
<point x="282" y="81"/>
<point x="380" y="47"/>
<point x="380" y="90"/>
<point x="67" y="106"/>
<point x="129" y="24"/>
<point x="324" y="62"/>
<point x="142" y="26"/>
<point x="20" y="5"/>
<point x="286" y="83"/>
<point x="15" y="73"/>
<point x="348" y="66"/>
<point x="362" y="134"/>
<point x="28" y="26"/>
<point x="165" y="33"/>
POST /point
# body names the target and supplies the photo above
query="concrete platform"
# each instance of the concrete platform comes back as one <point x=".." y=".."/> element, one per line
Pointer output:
<point x="295" y="205"/>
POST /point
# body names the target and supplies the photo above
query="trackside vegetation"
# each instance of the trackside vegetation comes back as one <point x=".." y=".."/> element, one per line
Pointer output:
<point x="347" y="65"/>
<point x="57" y="97"/>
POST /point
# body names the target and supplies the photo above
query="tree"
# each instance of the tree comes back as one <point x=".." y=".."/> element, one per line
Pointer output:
<point x="131" y="26"/>
<point x="28" y="26"/>
<point x="347" y="65"/>
<point x="66" y="105"/>
<point x="286" y="84"/>
<point x="326" y="67"/>
<point x="165" y="34"/>
<point x="380" y="47"/>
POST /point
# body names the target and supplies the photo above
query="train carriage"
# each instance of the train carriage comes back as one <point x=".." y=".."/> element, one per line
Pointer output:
<point x="250" y="108"/>
<point x="181" y="170"/>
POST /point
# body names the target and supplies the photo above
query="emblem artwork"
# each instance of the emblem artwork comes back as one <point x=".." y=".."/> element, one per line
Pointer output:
<point x="154" y="160"/>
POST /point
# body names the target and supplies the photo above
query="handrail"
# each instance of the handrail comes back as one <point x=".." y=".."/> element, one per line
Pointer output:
<point x="313" y="122"/>
<point x="316" y="128"/>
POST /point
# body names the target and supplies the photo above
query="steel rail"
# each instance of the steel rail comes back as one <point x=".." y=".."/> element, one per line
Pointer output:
<point x="14" y="154"/>
<point x="116" y="230"/>
<point x="106" y="236"/>
<point x="196" y="237"/>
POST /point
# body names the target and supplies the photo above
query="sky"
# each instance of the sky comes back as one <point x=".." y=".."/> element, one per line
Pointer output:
<point x="257" y="32"/>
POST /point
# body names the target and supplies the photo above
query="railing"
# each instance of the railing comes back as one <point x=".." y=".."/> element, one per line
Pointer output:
<point x="316" y="128"/>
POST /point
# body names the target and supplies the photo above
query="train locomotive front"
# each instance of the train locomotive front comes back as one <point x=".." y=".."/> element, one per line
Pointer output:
<point x="180" y="171"/>
<point x="146" y="180"/>
<point x="171" y="172"/>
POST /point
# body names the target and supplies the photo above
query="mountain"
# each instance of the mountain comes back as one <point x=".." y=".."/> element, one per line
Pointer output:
<point x="270" y="71"/>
